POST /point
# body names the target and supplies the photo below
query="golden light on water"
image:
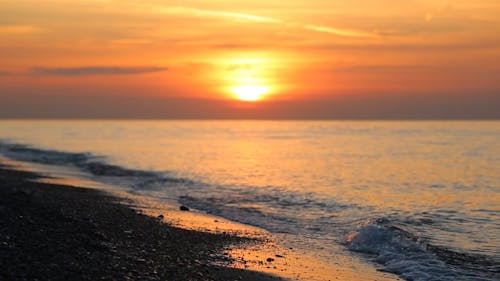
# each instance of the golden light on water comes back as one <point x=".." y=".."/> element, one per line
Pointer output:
<point x="250" y="93"/>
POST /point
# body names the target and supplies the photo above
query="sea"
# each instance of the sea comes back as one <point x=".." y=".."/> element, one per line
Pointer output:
<point x="417" y="199"/>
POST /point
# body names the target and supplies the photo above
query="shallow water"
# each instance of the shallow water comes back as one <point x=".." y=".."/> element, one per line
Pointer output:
<point x="418" y="199"/>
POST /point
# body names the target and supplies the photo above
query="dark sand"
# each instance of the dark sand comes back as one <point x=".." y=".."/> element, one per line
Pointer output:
<point x="58" y="232"/>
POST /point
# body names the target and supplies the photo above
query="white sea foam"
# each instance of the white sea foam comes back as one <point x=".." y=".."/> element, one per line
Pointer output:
<point x="401" y="253"/>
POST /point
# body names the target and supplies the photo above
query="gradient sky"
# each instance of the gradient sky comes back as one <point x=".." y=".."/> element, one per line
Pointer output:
<point x="356" y="59"/>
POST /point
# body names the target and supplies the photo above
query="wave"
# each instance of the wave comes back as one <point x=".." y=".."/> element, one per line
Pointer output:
<point x="26" y="153"/>
<point x="409" y="256"/>
<point x="92" y="164"/>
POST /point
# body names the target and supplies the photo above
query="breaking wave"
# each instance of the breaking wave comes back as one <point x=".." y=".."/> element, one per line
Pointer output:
<point x="410" y="257"/>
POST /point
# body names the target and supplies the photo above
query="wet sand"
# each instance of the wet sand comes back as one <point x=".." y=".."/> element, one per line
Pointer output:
<point x="60" y="232"/>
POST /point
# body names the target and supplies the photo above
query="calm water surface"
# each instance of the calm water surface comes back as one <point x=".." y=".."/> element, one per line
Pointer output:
<point x="419" y="199"/>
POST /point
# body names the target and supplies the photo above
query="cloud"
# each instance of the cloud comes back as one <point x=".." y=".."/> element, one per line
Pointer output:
<point x="131" y="41"/>
<point x="379" y="69"/>
<point x="479" y="44"/>
<point x="224" y="14"/>
<point x="236" y="67"/>
<point x="260" y="19"/>
<point x="340" y="32"/>
<point x="17" y="29"/>
<point x="95" y="70"/>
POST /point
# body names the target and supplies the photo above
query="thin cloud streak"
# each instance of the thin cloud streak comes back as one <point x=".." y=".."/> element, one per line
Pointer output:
<point x="212" y="13"/>
<point x="260" y="19"/>
<point x="341" y="32"/>
<point x="95" y="70"/>
<point x="16" y="29"/>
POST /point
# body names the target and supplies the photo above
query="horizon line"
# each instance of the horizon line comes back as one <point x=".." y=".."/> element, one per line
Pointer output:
<point x="237" y="119"/>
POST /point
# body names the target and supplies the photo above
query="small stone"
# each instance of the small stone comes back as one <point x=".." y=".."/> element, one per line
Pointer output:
<point x="270" y="260"/>
<point x="184" y="208"/>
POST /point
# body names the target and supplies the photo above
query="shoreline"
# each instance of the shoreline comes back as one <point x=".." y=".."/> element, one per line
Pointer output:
<point x="243" y="259"/>
<point x="57" y="232"/>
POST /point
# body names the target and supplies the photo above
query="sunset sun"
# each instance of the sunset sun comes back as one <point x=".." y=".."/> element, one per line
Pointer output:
<point x="249" y="93"/>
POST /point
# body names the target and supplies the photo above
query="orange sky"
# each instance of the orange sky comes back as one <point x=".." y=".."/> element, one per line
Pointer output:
<point x="287" y="51"/>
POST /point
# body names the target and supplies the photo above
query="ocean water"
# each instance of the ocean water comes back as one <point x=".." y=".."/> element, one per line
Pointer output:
<point x="417" y="199"/>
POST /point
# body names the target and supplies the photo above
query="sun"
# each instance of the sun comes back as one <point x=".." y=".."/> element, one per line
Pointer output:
<point x="250" y="93"/>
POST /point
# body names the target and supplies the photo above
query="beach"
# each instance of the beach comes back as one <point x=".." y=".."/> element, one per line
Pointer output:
<point x="58" y="232"/>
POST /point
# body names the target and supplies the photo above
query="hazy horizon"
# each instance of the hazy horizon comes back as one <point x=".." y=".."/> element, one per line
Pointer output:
<point x="349" y="108"/>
